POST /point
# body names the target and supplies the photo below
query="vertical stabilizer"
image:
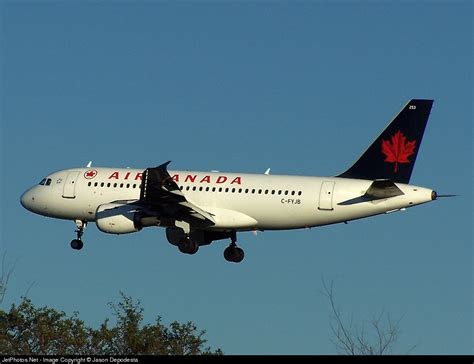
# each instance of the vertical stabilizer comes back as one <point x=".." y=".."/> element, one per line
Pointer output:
<point x="392" y="155"/>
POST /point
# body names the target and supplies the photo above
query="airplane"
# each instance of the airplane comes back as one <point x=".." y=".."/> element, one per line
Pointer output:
<point x="198" y="208"/>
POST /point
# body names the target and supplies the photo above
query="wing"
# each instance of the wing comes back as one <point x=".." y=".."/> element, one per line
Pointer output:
<point x="159" y="192"/>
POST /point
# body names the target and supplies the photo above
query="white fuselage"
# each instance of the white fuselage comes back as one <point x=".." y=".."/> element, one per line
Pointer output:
<point x="238" y="201"/>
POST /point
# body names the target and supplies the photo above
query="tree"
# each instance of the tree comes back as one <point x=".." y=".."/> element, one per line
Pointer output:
<point x="156" y="339"/>
<point x="4" y="277"/>
<point x="27" y="329"/>
<point x="351" y="339"/>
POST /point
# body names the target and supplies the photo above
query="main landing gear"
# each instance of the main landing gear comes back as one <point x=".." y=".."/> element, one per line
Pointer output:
<point x="77" y="243"/>
<point x="233" y="253"/>
<point x="189" y="243"/>
<point x="188" y="246"/>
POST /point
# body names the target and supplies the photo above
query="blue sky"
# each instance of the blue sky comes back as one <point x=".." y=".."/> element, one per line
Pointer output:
<point x="301" y="87"/>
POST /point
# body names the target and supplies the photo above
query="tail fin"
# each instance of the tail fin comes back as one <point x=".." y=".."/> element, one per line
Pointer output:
<point x="392" y="155"/>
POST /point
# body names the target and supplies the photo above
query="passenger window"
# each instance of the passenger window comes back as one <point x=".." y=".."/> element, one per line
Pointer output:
<point x="227" y="189"/>
<point x="207" y="189"/>
<point x="213" y="189"/>
<point x="266" y="192"/>
<point x="246" y="190"/>
<point x="89" y="184"/>
<point x="200" y="188"/>
<point x="253" y="190"/>
<point x="299" y="193"/>
<point x="286" y="192"/>
<point x="279" y="192"/>
<point x="292" y="193"/>
<point x="108" y="184"/>
<point x="102" y="184"/>
<point x="240" y="190"/>
<point x="259" y="192"/>
<point x="135" y="186"/>
<point x="115" y="185"/>
<point x="194" y="188"/>
<point x="233" y="190"/>
<point x="128" y="185"/>
<point x="121" y="185"/>
<point x="95" y="184"/>
<point x="187" y="188"/>
<point x="273" y="192"/>
<point x="220" y="189"/>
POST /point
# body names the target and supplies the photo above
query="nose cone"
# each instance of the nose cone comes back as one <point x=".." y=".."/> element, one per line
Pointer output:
<point x="27" y="200"/>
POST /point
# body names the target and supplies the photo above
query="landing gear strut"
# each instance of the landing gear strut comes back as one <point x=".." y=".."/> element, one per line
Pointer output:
<point x="186" y="244"/>
<point x="77" y="243"/>
<point x="233" y="253"/>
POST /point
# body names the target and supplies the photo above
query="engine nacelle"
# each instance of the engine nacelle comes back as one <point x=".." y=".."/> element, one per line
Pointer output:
<point x="115" y="218"/>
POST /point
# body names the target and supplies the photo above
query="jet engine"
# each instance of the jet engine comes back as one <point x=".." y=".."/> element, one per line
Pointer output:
<point x="117" y="218"/>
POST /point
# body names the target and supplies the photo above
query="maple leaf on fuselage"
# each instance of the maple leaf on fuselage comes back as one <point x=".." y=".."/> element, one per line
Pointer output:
<point x="398" y="149"/>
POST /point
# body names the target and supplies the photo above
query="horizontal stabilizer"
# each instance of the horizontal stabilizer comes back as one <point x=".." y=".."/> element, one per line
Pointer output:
<point x="383" y="188"/>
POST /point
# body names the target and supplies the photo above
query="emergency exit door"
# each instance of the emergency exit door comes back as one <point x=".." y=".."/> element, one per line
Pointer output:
<point x="326" y="196"/>
<point x="69" y="189"/>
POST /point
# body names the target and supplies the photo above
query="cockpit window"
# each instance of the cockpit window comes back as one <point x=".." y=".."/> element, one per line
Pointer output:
<point x="45" y="182"/>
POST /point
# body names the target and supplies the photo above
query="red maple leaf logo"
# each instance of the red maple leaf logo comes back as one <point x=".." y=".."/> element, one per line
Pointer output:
<point x="398" y="149"/>
<point x="90" y="174"/>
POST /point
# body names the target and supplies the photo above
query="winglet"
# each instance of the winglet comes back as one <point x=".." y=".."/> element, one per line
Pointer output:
<point x="164" y="165"/>
<point x="89" y="164"/>
<point x="267" y="171"/>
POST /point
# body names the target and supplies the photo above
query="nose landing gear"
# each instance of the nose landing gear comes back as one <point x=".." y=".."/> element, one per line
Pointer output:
<point x="77" y="243"/>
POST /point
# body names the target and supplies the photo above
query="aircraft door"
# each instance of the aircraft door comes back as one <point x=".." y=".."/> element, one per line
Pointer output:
<point x="69" y="189"/>
<point x="326" y="195"/>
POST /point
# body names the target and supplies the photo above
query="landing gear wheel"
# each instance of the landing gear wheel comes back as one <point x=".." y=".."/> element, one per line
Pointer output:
<point x="194" y="248"/>
<point x="228" y="254"/>
<point x="234" y="254"/>
<point x="188" y="247"/>
<point x="77" y="244"/>
<point x="239" y="256"/>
